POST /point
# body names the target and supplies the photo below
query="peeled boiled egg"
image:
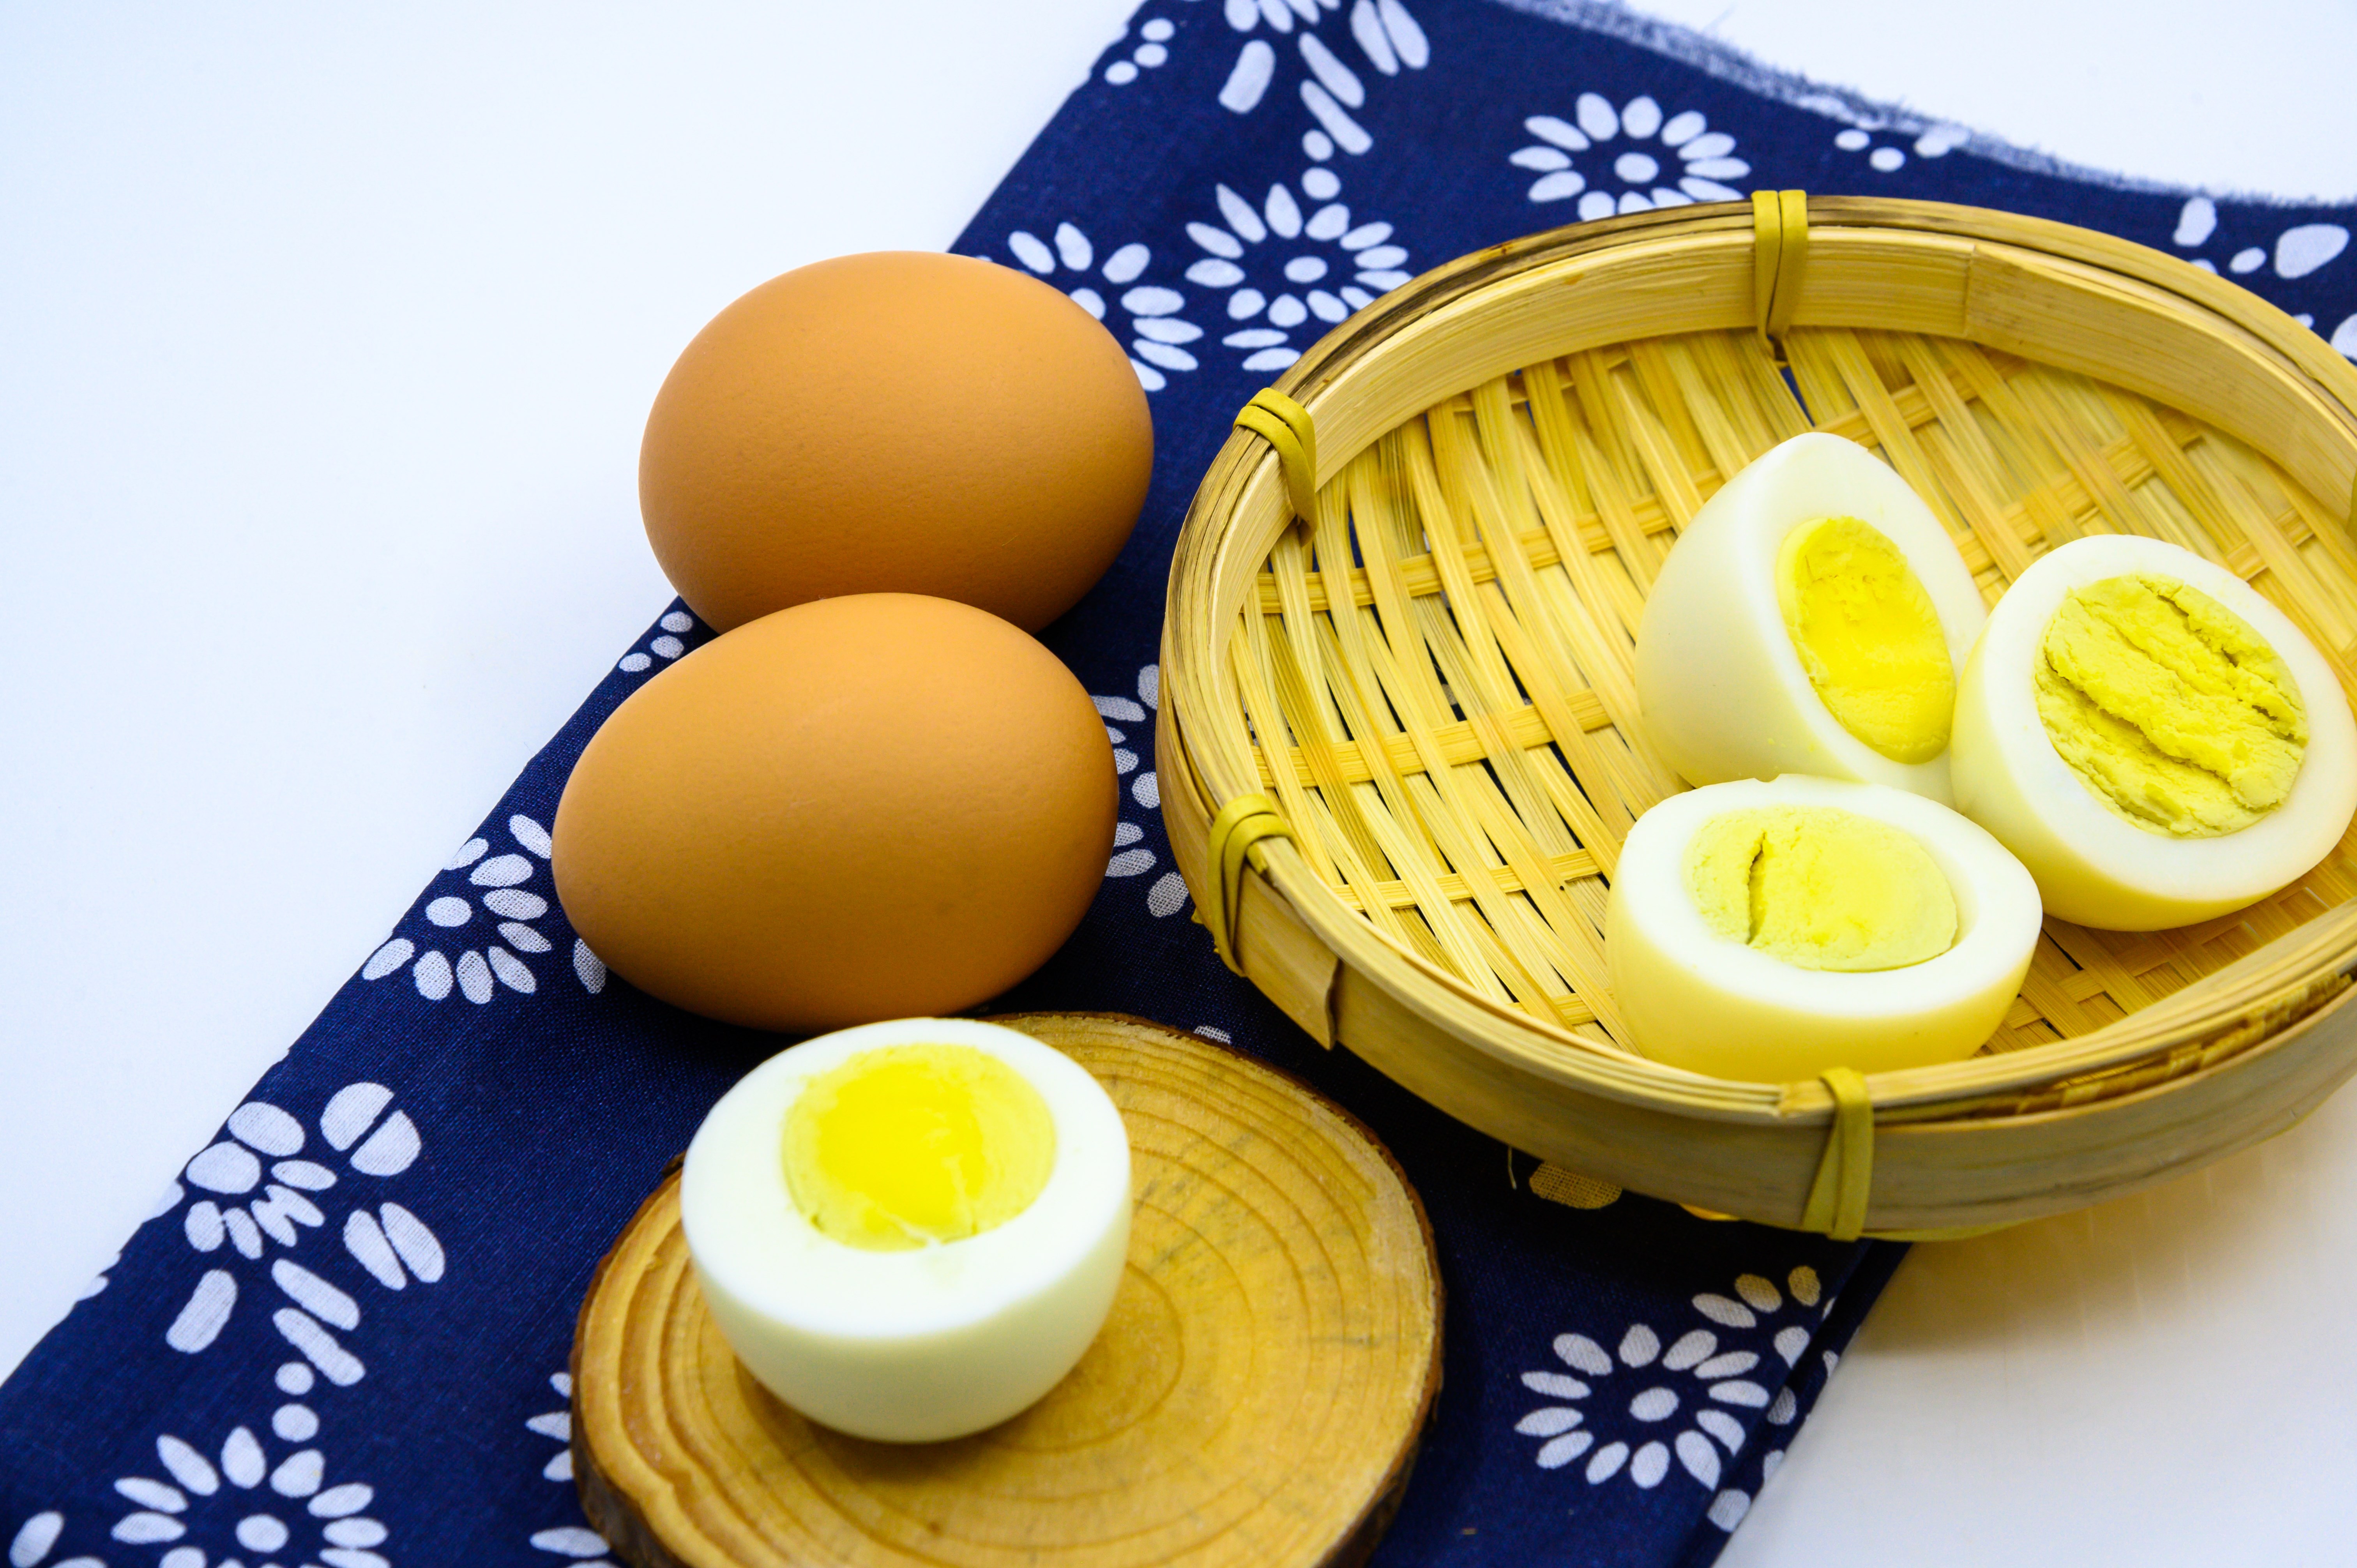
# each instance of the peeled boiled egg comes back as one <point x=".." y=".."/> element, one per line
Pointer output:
<point x="1810" y="619"/>
<point x="1771" y="930"/>
<point x="909" y="1230"/>
<point x="870" y="806"/>
<point x="901" y="422"/>
<point x="2155" y="741"/>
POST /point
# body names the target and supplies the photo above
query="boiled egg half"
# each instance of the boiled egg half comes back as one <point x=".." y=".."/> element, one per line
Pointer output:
<point x="1769" y="930"/>
<point x="1811" y="618"/>
<point x="2155" y="741"/>
<point x="910" y="1231"/>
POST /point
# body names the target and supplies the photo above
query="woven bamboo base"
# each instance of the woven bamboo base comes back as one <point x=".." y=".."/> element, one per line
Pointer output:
<point x="1255" y="1396"/>
<point x="1509" y="534"/>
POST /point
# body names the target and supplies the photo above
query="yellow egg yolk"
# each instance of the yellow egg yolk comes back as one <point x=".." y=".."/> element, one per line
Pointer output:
<point x="905" y="1147"/>
<point x="2172" y="710"/>
<point x="1821" y="888"/>
<point x="1868" y="636"/>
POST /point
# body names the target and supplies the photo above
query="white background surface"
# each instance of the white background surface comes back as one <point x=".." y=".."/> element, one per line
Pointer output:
<point x="326" y="337"/>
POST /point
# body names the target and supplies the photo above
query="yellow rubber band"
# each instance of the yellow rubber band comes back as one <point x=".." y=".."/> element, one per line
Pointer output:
<point x="1793" y="207"/>
<point x="1780" y="230"/>
<point x="1236" y="833"/>
<point x="1767" y="250"/>
<point x="1286" y="426"/>
<point x="1845" y="1179"/>
<point x="1845" y="1170"/>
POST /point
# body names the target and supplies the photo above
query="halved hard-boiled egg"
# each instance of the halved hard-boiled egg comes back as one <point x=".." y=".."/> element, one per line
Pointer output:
<point x="1810" y="619"/>
<point x="1769" y="930"/>
<point x="910" y="1231"/>
<point x="2155" y="741"/>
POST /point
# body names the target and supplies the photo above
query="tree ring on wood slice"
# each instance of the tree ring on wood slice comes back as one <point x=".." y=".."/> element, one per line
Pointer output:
<point x="1255" y="1396"/>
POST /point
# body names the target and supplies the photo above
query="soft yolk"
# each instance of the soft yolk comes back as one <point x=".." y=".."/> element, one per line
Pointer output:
<point x="908" y="1146"/>
<point x="1868" y="636"/>
<point x="1821" y="888"/>
<point x="2170" y="708"/>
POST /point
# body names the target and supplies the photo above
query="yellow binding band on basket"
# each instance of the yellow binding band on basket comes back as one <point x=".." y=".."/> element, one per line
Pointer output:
<point x="1845" y="1170"/>
<point x="1780" y="229"/>
<point x="1236" y="833"/>
<point x="1845" y="1174"/>
<point x="1286" y="426"/>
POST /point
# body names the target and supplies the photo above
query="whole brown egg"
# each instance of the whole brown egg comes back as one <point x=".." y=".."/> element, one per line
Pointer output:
<point x="871" y="806"/>
<point x="902" y="421"/>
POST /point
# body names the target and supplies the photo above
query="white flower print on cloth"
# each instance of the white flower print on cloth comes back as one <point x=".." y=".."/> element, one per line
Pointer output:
<point x="1632" y="1409"/>
<point x="1168" y="893"/>
<point x="664" y="646"/>
<point x="1288" y="260"/>
<point x="557" y="1423"/>
<point x="1153" y="50"/>
<point x="2302" y="249"/>
<point x="1388" y="39"/>
<point x="575" y="1544"/>
<point x="493" y="896"/>
<point x="1628" y="159"/>
<point x="1879" y="143"/>
<point x="238" y="1499"/>
<point x="569" y="1540"/>
<point x="588" y="968"/>
<point x="229" y="1221"/>
<point x="34" y="1540"/>
<point x="1157" y="335"/>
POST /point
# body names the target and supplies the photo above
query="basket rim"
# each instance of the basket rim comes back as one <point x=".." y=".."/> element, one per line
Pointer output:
<point x="1194" y="653"/>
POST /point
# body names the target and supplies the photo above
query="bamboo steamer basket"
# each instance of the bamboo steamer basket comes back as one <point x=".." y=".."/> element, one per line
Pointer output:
<point x="1399" y="743"/>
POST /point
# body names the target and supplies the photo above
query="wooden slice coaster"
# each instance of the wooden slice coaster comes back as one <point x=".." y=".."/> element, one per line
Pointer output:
<point x="1255" y="1396"/>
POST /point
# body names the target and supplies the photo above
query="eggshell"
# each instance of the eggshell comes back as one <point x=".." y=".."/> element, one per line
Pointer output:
<point x="901" y="422"/>
<point x="869" y="807"/>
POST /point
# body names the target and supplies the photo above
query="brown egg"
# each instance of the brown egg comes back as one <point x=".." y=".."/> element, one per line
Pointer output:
<point x="904" y="422"/>
<point x="874" y="807"/>
<point x="854" y="810"/>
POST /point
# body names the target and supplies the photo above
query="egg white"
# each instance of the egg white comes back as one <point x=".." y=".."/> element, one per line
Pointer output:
<point x="1697" y="999"/>
<point x="2095" y="869"/>
<point x="921" y="1345"/>
<point x="1723" y="690"/>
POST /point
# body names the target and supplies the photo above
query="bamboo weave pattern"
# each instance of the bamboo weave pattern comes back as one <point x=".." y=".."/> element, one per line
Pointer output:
<point x="1438" y="676"/>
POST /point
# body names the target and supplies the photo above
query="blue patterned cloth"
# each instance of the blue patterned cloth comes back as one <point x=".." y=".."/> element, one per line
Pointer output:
<point x="341" y="1339"/>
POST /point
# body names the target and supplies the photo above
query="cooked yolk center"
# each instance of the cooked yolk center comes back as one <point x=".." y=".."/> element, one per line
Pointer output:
<point x="1868" y="636"/>
<point x="1821" y="888"/>
<point x="2170" y="708"/>
<point x="908" y="1146"/>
